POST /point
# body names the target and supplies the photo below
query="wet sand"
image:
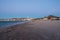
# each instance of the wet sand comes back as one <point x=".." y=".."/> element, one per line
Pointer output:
<point x="34" y="30"/>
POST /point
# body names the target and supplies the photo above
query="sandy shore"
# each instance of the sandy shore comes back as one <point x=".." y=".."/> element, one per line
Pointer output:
<point x="34" y="30"/>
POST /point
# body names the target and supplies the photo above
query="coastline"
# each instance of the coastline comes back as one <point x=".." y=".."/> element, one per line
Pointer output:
<point x="12" y="23"/>
<point x="36" y="30"/>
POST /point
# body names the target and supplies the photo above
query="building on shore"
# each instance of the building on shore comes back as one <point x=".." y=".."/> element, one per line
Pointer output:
<point x="51" y="17"/>
<point x="17" y="19"/>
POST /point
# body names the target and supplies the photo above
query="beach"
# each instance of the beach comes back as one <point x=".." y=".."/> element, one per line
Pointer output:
<point x="33" y="30"/>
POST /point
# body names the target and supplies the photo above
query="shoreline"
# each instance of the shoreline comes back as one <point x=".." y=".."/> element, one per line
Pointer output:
<point x="7" y="26"/>
<point x="36" y="30"/>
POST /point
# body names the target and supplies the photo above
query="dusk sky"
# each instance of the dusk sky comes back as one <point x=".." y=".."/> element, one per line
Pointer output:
<point x="29" y="8"/>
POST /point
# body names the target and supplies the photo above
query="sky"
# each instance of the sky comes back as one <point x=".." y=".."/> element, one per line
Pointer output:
<point x="29" y="8"/>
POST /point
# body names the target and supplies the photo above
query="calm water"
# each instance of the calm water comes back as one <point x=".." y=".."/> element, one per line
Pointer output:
<point x="9" y="23"/>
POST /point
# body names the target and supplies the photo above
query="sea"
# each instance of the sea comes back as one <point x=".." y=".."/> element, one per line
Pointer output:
<point x="4" y="24"/>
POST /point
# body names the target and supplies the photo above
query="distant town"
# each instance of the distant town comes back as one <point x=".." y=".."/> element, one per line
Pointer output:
<point x="50" y="17"/>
